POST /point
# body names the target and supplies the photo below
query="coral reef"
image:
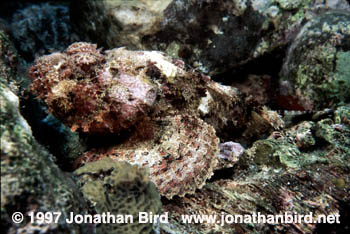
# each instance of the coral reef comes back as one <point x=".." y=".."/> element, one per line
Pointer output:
<point x="342" y="115"/>
<point x="121" y="189"/>
<point x="41" y="29"/>
<point x="316" y="72"/>
<point x="30" y="180"/>
<point x="302" y="134"/>
<point x="8" y="54"/>
<point x="275" y="153"/>
<point x="180" y="152"/>
<point x="144" y="128"/>
<point x="304" y="144"/>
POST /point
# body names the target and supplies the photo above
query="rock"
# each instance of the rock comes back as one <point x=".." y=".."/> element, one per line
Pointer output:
<point x="30" y="181"/>
<point x="303" y="134"/>
<point x="210" y="35"/>
<point x="274" y="153"/>
<point x="66" y="145"/>
<point x="298" y="145"/>
<point x="229" y="154"/>
<point x="121" y="189"/>
<point x="39" y="29"/>
<point x="257" y="89"/>
<point x="131" y="21"/>
<point x="262" y="123"/>
<point x="342" y="115"/>
<point x="336" y="135"/>
<point x="9" y="62"/>
<point x="316" y="74"/>
<point x="266" y="193"/>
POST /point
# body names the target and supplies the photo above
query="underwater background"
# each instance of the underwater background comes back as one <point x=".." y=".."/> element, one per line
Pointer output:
<point x="177" y="107"/>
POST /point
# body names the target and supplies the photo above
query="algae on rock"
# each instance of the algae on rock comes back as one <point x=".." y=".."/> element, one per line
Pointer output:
<point x="213" y="36"/>
<point x="30" y="181"/>
<point x="316" y="72"/>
